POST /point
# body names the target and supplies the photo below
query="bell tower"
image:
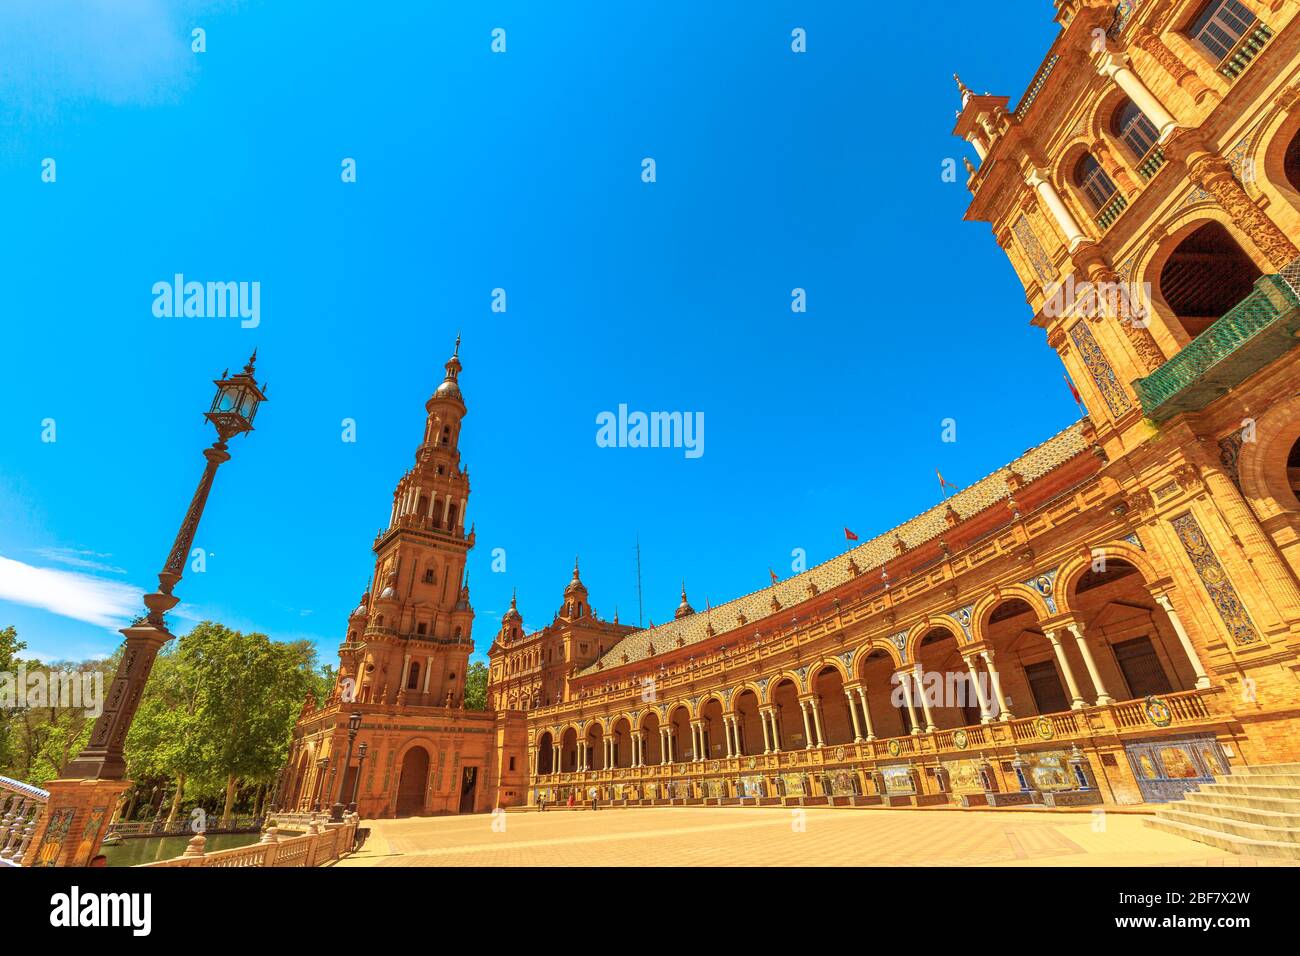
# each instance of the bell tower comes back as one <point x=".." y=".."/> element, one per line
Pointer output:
<point x="409" y="641"/>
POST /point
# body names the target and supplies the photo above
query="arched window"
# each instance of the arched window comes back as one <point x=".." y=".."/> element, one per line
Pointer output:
<point x="1133" y="128"/>
<point x="1220" y="25"/>
<point x="413" y="679"/>
<point x="1205" y="276"/>
<point x="428" y="575"/>
<point x="1291" y="162"/>
<point x="1093" y="182"/>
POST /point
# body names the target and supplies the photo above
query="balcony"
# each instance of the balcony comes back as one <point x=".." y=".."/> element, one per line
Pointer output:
<point x="1247" y="48"/>
<point x="1256" y="332"/>
<point x="1110" y="212"/>
<point x="1184" y="711"/>
<point x="1151" y="163"/>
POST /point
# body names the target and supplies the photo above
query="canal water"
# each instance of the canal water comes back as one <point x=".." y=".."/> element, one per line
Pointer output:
<point x="133" y="851"/>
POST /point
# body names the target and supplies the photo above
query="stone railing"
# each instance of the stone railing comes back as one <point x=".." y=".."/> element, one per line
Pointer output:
<point x="323" y="843"/>
<point x="1182" y="710"/>
<point x="1255" y="332"/>
<point x="1247" y="48"/>
<point x="21" y="806"/>
<point x="137" y="828"/>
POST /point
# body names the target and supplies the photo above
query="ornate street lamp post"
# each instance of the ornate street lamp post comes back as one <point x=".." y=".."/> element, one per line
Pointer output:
<point x="356" y="782"/>
<point x="72" y="827"/>
<point x="354" y="724"/>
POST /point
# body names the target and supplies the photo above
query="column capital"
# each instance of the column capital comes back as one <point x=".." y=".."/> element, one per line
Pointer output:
<point x="1035" y="177"/>
<point x="1109" y="63"/>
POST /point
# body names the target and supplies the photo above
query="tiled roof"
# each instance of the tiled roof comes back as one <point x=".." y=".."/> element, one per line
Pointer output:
<point x="869" y="555"/>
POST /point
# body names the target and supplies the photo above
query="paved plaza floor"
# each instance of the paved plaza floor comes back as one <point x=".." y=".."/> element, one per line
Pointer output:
<point x="750" y="836"/>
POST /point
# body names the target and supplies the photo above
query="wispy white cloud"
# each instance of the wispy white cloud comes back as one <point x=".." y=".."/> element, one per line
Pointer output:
<point x="72" y="594"/>
<point x="78" y="558"/>
<point x="114" y="51"/>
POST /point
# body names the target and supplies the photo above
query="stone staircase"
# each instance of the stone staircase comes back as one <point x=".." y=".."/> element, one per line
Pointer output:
<point x="1254" y="812"/>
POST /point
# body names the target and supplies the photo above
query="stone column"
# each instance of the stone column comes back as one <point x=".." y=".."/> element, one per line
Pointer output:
<point x="853" y="713"/>
<point x="1103" y="698"/>
<point x="807" y="725"/>
<point x="930" y="725"/>
<point x="1259" y="548"/>
<point x="985" y="716"/>
<point x="904" y="681"/>
<point x="1202" y="678"/>
<point x="557" y="753"/>
<point x="1076" y="699"/>
<point x="1118" y="68"/>
<point x="1038" y="180"/>
<point x="1003" y="703"/>
<point x="767" y="731"/>
<point x="776" y="730"/>
<point x="815" y="706"/>
<point x="866" y="713"/>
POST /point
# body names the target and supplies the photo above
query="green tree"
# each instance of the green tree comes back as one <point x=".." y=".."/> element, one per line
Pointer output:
<point x="476" y="681"/>
<point x="9" y="648"/>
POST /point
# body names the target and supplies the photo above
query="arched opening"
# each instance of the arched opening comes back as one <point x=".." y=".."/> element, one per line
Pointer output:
<point x="715" y="736"/>
<point x="1293" y="471"/>
<point x="569" y="751"/>
<point x="833" y="705"/>
<point x="680" y="723"/>
<point x="1132" y="127"/>
<point x="654" y="754"/>
<point x="885" y="711"/>
<point x="789" y="720"/>
<point x="546" y="753"/>
<point x="1205" y="276"/>
<point x="750" y="723"/>
<point x="299" y="778"/>
<point x="413" y="677"/>
<point x="1093" y="182"/>
<point x="946" y="681"/>
<point x="622" y="736"/>
<point x="1026" y="665"/>
<point x="413" y="782"/>
<point x="1133" y="644"/>
<point x="1291" y="162"/>
<point x="595" y="743"/>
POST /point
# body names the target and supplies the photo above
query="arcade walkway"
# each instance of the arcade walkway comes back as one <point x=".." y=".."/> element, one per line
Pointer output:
<point x="712" y="836"/>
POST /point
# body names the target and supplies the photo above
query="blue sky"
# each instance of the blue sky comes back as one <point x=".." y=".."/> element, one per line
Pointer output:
<point x="477" y="171"/>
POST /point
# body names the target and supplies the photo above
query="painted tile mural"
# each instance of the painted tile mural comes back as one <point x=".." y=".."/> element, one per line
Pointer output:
<point x="1103" y="375"/>
<point x="1215" y="579"/>
<point x="1033" y="249"/>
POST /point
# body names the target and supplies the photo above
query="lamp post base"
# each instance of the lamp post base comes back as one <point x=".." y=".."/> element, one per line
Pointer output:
<point x="74" y="823"/>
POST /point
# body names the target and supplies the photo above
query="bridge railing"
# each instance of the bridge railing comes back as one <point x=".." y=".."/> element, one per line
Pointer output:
<point x="21" y="807"/>
<point x="324" y="842"/>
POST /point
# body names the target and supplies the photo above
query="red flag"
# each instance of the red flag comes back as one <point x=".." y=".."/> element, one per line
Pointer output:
<point x="773" y="573"/>
<point x="849" y="535"/>
<point x="942" y="482"/>
<point x="1073" y="391"/>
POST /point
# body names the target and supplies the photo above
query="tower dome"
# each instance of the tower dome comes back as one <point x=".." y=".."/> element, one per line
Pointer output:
<point x="684" y="609"/>
<point x="363" y="609"/>
<point x="576" y="587"/>
<point x="512" y="616"/>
